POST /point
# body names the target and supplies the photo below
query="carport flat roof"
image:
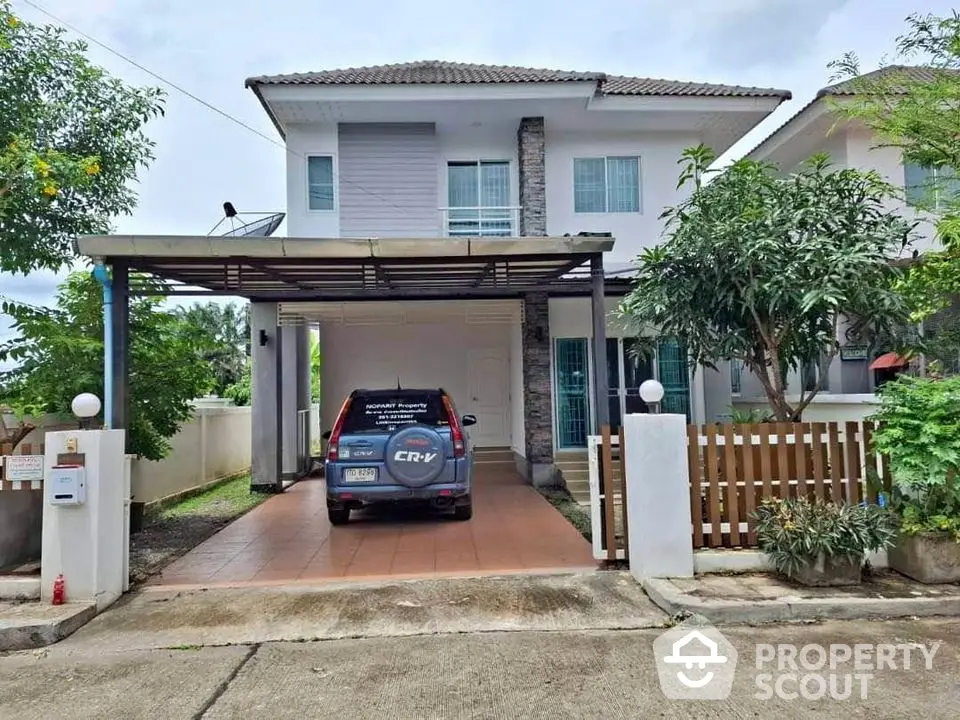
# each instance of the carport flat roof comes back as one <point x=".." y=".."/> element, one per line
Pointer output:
<point x="350" y="268"/>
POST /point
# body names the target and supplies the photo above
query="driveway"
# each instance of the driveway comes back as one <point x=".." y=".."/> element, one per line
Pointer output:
<point x="288" y="539"/>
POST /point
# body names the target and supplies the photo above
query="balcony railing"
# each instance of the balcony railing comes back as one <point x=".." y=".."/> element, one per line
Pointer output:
<point x="481" y="221"/>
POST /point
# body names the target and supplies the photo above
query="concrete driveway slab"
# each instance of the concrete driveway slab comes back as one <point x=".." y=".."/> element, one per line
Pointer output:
<point x="149" y="685"/>
<point x="153" y="619"/>
<point x="602" y="675"/>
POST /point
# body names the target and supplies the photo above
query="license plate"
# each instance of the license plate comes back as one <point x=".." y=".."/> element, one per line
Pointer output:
<point x="360" y="475"/>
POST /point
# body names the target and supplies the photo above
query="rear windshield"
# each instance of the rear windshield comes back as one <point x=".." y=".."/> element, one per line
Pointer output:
<point x="372" y="413"/>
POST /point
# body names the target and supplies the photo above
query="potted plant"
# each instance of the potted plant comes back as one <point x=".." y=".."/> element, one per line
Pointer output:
<point x="822" y="543"/>
<point x="919" y="433"/>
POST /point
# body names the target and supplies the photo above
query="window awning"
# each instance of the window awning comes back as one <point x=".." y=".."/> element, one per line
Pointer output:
<point x="889" y="360"/>
<point x="318" y="269"/>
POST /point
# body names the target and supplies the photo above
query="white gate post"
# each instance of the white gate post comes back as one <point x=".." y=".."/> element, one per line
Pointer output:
<point x="658" y="496"/>
<point x="83" y="529"/>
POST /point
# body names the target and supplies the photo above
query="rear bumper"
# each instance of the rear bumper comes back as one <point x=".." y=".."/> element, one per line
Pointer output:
<point x="352" y="494"/>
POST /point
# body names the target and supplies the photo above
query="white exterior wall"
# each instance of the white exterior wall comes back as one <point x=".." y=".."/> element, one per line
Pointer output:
<point x="449" y="352"/>
<point x="825" y="407"/>
<point x="518" y="440"/>
<point x="215" y="443"/>
<point x="863" y="154"/>
<point x="303" y="141"/>
<point x="658" y="154"/>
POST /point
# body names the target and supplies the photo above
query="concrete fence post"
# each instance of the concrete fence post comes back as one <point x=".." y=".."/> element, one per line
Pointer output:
<point x="658" y="496"/>
<point x="84" y="540"/>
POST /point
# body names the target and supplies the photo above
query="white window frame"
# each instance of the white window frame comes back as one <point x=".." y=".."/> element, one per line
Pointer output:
<point x="447" y="162"/>
<point x="334" y="174"/>
<point x="512" y="189"/>
<point x="606" y="188"/>
<point x="931" y="187"/>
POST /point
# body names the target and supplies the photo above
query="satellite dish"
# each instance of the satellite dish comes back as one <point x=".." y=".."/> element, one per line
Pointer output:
<point x="263" y="226"/>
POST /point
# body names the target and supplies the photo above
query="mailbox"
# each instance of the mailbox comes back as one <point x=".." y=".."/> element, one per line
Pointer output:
<point x="66" y="485"/>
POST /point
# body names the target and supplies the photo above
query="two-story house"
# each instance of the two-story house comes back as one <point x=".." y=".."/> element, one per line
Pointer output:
<point x="451" y="150"/>
<point x="818" y="128"/>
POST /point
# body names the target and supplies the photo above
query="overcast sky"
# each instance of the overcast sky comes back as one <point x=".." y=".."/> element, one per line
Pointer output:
<point x="210" y="47"/>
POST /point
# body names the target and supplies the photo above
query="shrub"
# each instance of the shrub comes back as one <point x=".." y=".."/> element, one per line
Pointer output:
<point x="919" y="432"/>
<point x="796" y="530"/>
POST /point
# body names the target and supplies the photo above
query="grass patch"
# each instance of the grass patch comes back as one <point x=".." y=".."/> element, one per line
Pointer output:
<point x="574" y="512"/>
<point x="179" y="527"/>
<point x="229" y="499"/>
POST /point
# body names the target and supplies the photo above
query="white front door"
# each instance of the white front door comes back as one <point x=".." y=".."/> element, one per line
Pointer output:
<point x="489" y="397"/>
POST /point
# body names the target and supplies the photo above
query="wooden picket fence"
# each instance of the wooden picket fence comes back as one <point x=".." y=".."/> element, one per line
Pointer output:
<point x="734" y="467"/>
<point x="608" y="495"/>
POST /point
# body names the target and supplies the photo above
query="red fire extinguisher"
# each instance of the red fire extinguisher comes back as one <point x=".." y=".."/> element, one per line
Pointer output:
<point x="59" y="590"/>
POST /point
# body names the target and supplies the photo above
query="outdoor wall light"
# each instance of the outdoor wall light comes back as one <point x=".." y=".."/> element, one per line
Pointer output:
<point x="86" y="406"/>
<point x="651" y="392"/>
<point x="538" y="334"/>
<point x="263" y="338"/>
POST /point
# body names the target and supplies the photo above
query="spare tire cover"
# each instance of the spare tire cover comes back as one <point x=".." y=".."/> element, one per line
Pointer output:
<point x="415" y="455"/>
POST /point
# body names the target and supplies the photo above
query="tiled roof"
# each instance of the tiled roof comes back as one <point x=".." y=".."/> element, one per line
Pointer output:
<point x="619" y="85"/>
<point x="891" y="74"/>
<point x="907" y="73"/>
<point x="434" y="72"/>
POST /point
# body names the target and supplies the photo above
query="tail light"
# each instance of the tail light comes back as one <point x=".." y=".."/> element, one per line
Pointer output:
<point x="456" y="431"/>
<point x="333" y="449"/>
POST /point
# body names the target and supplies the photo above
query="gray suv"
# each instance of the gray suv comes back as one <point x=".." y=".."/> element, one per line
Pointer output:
<point x="399" y="445"/>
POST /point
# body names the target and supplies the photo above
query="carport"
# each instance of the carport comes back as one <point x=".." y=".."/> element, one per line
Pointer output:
<point x="280" y="275"/>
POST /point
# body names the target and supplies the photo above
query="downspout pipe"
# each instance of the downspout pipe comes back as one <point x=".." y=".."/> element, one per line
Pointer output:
<point x="103" y="277"/>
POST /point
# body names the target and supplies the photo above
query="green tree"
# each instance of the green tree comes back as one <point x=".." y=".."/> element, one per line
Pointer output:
<point x="316" y="365"/>
<point x="760" y="267"/>
<point x="59" y="354"/>
<point x="242" y="390"/>
<point x="71" y="142"/>
<point x="224" y="331"/>
<point x="917" y="110"/>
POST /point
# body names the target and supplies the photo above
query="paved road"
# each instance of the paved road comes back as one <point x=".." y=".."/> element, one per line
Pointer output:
<point x="604" y="674"/>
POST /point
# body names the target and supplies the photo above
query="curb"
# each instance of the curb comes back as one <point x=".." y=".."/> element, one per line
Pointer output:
<point x="668" y="598"/>
<point x="40" y="633"/>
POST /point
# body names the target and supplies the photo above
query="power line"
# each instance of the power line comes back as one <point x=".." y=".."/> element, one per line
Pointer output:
<point x="200" y="100"/>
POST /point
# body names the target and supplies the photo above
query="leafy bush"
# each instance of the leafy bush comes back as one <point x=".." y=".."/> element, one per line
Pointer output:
<point x="919" y="431"/>
<point x="241" y="391"/>
<point x="796" y="530"/>
<point x="752" y="416"/>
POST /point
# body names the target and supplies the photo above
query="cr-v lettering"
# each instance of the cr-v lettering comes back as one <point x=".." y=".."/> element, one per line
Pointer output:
<point x="410" y="456"/>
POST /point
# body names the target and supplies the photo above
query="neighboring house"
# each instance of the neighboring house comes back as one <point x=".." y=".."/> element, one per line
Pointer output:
<point x="818" y="129"/>
<point x="438" y="149"/>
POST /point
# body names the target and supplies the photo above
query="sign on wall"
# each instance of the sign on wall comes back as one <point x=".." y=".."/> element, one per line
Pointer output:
<point x="23" y="468"/>
<point x="854" y="352"/>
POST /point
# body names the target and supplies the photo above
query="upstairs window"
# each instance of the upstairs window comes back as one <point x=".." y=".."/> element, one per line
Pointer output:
<point x="320" y="182"/>
<point x="478" y="198"/>
<point x="606" y="185"/>
<point x="935" y="188"/>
